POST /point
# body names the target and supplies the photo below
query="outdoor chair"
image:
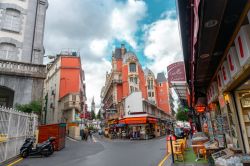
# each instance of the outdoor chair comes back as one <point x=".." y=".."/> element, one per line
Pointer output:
<point x="179" y="152"/>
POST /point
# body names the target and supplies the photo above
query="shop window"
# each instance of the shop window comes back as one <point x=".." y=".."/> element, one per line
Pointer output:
<point x="12" y="20"/>
<point x="132" y="67"/>
<point x="8" y="51"/>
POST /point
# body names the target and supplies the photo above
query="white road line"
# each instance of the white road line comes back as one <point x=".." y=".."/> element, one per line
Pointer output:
<point x="94" y="139"/>
<point x="72" y="139"/>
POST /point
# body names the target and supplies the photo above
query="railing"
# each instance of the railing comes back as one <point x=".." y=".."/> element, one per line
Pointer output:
<point x="15" y="126"/>
<point x="22" y="69"/>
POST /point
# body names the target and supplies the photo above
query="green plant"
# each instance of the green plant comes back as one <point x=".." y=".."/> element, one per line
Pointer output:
<point x="33" y="107"/>
<point x="181" y="115"/>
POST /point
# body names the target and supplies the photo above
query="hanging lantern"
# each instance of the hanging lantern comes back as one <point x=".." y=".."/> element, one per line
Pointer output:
<point x="201" y="104"/>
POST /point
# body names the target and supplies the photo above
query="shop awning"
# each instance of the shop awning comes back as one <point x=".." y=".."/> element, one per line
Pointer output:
<point x="137" y="120"/>
<point x="152" y="120"/>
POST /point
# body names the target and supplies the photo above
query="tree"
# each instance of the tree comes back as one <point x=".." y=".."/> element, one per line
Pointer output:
<point x="181" y="115"/>
<point x="92" y="113"/>
<point x="99" y="115"/>
<point x="32" y="107"/>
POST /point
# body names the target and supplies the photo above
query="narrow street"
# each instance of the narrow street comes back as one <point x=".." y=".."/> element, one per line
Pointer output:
<point x="104" y="152"/>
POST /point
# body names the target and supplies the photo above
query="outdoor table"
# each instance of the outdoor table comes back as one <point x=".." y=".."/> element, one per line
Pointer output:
<point x="197" y="147"/>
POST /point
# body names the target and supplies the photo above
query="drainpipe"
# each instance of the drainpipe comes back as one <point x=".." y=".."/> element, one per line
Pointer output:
<point x="34" y="32"/>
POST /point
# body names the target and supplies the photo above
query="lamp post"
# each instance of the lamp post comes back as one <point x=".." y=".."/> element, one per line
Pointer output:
<point x="45" y="109"/>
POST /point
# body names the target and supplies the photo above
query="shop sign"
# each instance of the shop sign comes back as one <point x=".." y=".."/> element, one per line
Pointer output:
<point x="222" y="101"/>
<point x="242" y="44"/>
<point x="219" y="80"/>
<point x="225" y="73"/>
<point x="245" y="102"/>
<point x="176" y="72"/>
<point x="233" y="62"/>
<point x="212" y="93"/>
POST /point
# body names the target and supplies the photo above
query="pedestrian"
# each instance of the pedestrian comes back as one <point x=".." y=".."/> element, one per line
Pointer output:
<point x="191" y="133"/>
<point x="90" y="133"/>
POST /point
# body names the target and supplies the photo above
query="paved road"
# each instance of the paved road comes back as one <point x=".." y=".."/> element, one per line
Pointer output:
<point x="104" y="152"/>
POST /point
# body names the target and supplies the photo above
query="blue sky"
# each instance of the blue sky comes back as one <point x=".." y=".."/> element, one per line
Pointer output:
<point x="95" y="28"/>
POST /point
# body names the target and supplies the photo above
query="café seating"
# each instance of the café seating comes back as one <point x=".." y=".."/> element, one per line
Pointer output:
<point x="179" y="151"/>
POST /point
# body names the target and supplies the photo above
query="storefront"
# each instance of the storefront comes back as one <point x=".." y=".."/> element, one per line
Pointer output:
<point x="217" y="61"/>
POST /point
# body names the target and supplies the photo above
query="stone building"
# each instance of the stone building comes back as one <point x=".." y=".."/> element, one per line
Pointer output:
<point x="21" y="50"/>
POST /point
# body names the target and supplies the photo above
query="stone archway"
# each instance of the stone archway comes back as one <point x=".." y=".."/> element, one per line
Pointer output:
<point x="6" y="96"/>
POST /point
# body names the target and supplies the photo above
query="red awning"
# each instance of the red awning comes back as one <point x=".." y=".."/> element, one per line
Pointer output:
<point x="152" y="120"/>
<point x="137" y="120"/>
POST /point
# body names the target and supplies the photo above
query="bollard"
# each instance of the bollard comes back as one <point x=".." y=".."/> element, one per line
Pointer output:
<point x="172" y="148"/>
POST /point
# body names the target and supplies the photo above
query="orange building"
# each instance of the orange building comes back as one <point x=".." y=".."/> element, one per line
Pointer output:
<point x="64" y="89"/>
<point x="126" y="78"/>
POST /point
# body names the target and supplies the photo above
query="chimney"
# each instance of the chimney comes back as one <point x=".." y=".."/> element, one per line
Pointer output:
<point x="123" y="49"/>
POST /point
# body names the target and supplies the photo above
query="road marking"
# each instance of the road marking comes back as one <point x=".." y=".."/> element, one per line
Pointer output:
<point x="94" y="140"/>
<point x="72" y="139"/>
<point x="164" y="159"/>
<point x="15" y="162"/>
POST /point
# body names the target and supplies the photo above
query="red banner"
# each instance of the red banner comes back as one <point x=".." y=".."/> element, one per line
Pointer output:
<point x="176" y="72"/>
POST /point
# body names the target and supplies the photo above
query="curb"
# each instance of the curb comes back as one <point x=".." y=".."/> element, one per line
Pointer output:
<point x="12" y="161"/>
<point x="162" y="162"/>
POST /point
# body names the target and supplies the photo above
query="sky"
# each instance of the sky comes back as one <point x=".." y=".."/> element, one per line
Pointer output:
<point x="95" y="27"/>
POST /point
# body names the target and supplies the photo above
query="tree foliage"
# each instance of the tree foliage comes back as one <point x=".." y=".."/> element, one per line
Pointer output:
<point x="33" y="107"/>
<point x="181" y="115"/>
<point x="92" y="113"/>
<point x="99" y="115"/>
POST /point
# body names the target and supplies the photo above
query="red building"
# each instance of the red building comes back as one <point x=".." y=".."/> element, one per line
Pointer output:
<point x="128" y="77"/>
<point x="64" y="89"/>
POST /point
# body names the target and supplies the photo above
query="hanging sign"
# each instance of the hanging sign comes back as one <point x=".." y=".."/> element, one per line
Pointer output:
<point x="219" y="81"/>
<point x="242" y="44"/>
<point x="225" y="73"/>
<point x="233" y="62"/>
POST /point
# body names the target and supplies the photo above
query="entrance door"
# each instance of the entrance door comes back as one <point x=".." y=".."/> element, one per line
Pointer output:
<point x="6" y="97"/>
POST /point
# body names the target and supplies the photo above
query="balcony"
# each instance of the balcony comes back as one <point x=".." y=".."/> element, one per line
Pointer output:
<point x="22" y="69"/>
<point x="71" y="101"/>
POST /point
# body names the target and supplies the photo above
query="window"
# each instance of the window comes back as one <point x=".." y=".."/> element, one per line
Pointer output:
<point x="131" y="89"/>
<point x="133" y="79"/>
<point x="8" y="51"/>
<point x="132" y="67"/>
<point x="12" y="20"/>
<point x="152" y="94"/>
<point x="149" y="94"/>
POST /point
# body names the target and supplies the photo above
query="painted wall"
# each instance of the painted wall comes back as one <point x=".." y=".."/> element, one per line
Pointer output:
<point x="162" y="96"/>
<point x="133" y="103"/>
<point x="70" y="75"/>
<point x="142" y="83"/>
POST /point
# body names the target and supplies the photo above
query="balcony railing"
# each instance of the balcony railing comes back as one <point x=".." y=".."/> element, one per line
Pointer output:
<point x="22" y="69"/>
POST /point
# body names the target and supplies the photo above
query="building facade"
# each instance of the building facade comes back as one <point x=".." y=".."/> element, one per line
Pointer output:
<point x="21" y="50"/>
<point x="217" y="64"/>
<point x="64" y="90"/>
<point x="127" y="80"/>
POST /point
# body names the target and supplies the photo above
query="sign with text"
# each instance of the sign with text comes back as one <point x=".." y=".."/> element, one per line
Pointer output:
<point x="176" y="72"/>
<point x="225" y="73"/>
<point x="242" y="44"/>
<point x="219" y="80"/>
<point x="233" y="62"/>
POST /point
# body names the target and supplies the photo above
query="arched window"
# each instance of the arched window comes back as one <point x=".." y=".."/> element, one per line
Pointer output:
<point x="132" y="67"/>
<point x="8" y="51"/>
<point x="12" y="20"/>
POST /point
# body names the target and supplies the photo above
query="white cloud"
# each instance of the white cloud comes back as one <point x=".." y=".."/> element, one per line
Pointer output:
<point x="98" y="47"/>
<point x="162" y="43"/>
<point x="91" y="26"/>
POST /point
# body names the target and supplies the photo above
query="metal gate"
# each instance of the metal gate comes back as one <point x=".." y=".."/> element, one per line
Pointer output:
<point x="15" y="126"/>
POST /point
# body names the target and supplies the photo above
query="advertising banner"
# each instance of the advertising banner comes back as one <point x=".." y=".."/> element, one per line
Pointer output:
<point x="176" y="72"/>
